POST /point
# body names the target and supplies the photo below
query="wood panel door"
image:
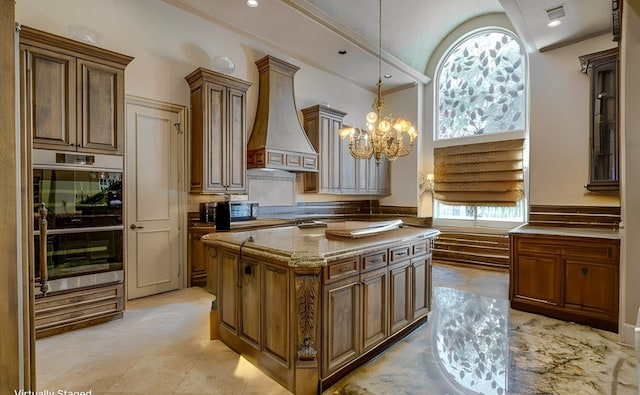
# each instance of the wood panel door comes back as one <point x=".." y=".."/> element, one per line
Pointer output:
<point x="591" y="286"/>
<point x="235" y="160"/>
<point x="154" y="242"/>
<point x="399" y="295"/>
<point x="100" y="116"/>
<point x="275" y="296"/>
<point x="250" y="297"/>
<point x="49" y="97"/>
<point x="538" y="278"/>
<point x="375" y="285"/>
<point x="421" y="286"/>
<point x="228" y="290"/>
<point x="341" y="329"/>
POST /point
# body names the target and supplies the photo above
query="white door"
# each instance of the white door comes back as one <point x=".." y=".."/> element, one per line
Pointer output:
<point x="152" y="195"/>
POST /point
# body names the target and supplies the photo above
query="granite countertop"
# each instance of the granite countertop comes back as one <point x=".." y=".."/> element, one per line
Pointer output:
<point x="563" y="231"/>
<point x="254" y="223"/>
<point x="310" y="246"/>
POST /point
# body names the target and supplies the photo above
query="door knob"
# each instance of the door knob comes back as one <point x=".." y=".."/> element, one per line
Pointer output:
<point x="134" y="226"/>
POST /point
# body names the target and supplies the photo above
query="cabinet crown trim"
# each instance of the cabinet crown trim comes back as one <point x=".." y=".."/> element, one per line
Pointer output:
<point x="40" y="38"/>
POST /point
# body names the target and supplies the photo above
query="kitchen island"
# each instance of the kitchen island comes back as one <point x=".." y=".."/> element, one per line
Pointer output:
<point x="307" y="307"/>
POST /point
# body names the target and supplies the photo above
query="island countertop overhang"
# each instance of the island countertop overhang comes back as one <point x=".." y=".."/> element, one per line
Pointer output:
<point x="310" y="247"/>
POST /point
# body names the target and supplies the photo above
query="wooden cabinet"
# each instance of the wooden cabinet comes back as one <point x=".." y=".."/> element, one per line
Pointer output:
<point x="392" y="290"/>
<point x="307" y="326"/>
<point x="602" y="69"/>
<point x="73" y="94"/>
<point x="253" y="295"/>
<point x="420" y="286"/>
<point x="570" y="278"/>
<point x="341" y="315"/>
<point x="375" y="285"/>
<point x="249" y="306"/>
<point x="197" y="257"/>
<point x="218" y="132"/>
<point x="338" y="171"/>
<point x="228" y="290"/>
<point x="399" y="295"/>
<point x="64" y="311"/>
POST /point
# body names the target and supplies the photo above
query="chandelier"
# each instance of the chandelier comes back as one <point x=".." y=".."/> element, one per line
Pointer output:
<point x="384" y="135"/>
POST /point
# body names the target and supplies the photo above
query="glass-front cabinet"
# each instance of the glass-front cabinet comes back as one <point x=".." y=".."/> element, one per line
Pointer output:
<point x="602" y="69"/>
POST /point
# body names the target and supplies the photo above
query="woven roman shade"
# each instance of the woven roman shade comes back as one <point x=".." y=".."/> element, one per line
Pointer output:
<point x="485" y="173"/>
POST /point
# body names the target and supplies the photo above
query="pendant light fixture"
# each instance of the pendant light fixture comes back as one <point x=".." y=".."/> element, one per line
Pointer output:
<point x="384" y="135"/>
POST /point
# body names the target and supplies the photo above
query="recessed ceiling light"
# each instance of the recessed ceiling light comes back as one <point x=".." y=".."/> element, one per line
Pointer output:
<point x="554" y="23"/>
<point x="387" y="76"/>
<point x="252" y="3"/>
<point x="342" y="51"/>
<point x="555" y="15"/>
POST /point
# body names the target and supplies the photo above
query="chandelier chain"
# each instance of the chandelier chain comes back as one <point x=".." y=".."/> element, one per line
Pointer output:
<point x="380" y="40"/>
<point x="385" y="136"/>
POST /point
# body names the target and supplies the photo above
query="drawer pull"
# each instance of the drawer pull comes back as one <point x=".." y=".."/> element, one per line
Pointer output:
<point x="400" y="253"/>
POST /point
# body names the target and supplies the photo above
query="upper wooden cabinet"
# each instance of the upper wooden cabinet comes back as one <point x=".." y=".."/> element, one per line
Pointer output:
<point x="218" y="132"/>
<point x="338" y="171"/>
<point x="72" y="94"/>
<point x="602" y="69"/>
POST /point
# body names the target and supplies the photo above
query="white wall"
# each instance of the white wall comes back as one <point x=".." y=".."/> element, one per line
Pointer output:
<point x="169" y="43"/>
<point x="630" y="128"/>
<point x="404" y="171"/>
<point x="559" y="126"/>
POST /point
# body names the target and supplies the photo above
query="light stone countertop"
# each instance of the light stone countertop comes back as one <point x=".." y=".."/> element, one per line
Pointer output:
<point x="309" y="247"/>
<point x="560" y="231"/>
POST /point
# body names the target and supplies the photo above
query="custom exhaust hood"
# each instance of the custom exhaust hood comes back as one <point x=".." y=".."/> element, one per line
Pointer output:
<point x="278" y="140"/>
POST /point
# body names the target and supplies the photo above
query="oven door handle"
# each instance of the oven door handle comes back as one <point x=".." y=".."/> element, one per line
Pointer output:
<point x="44" y="264"/>
<point x="134" y="226"/>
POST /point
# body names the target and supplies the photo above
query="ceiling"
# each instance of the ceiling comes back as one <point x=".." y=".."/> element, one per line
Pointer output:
<point x="315" y="30"/>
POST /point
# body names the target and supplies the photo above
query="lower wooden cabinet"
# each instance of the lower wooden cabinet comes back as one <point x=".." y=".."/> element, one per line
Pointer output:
<point x="375" y="285"/>
<point x="65" y="311"/>
<point x="341" y="331"/>
<point x="249" y="312"/>
<point x="570" y="278"/>
<point x="421" y="286"/>
<point x="197" y="257"/>
<point x="363" y="301"/>
<point x="400" y="295"/>
<point x="228" y="290"/>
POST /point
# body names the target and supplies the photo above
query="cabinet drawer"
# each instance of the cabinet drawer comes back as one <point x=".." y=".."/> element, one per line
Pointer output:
<point x="399" y="254"/>
<point x="596" y="250"/>
<point x="69" y="308"/>
<point x="535" y="245"/>
<point x="374" y="261"/>
<point x="342" y="269"/>
<point x="420" y="248"/>
<point x="592" y="248"/>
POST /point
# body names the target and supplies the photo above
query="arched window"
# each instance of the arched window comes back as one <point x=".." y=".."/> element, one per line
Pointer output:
<point x="482" y="86"/>
<point x="481" y="89"/>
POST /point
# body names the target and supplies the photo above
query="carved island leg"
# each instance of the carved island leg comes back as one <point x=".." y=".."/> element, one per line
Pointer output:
<point x="307" y="370"/>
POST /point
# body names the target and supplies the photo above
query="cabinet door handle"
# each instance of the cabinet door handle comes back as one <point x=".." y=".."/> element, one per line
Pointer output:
<point x="585" y="270"/>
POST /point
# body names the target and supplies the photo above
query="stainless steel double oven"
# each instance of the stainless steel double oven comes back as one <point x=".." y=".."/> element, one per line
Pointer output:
<point x="82" y="194"/>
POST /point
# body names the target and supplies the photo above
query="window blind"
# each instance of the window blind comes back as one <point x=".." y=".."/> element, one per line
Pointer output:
<point x="484" y="173"/>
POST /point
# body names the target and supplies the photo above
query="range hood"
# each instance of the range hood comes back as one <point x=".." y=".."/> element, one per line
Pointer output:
<point x="278" y="140"/>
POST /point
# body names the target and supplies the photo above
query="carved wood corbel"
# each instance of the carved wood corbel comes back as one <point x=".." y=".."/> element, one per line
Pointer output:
<point x="307" y="288"/>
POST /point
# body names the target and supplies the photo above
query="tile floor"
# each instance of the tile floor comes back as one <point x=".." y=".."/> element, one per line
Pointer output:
<point x="473" y="343"/>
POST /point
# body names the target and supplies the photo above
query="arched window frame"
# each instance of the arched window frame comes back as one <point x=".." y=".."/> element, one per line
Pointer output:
<point x="476" y="216"/>
<point x="450" y="51"/>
